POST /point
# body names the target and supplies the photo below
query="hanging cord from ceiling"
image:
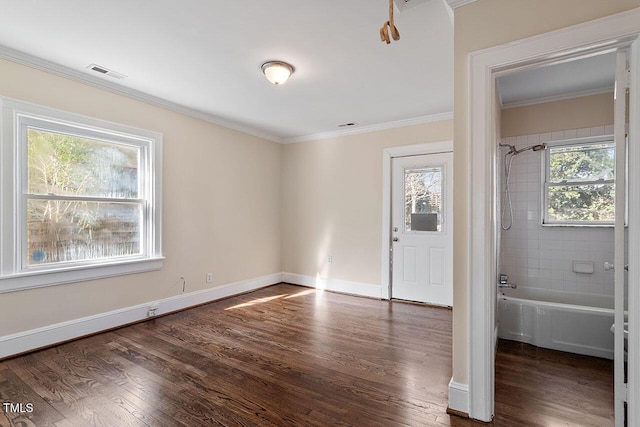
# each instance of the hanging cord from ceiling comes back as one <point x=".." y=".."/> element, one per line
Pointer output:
<point x="389" y="27"/>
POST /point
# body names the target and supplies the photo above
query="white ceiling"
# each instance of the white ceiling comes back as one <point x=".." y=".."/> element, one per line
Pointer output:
<point x="570" y="79"/>
<point x="206" y="56"/>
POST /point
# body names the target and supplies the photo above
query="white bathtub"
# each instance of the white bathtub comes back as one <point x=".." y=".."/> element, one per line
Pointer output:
<point x="566" y="321"/>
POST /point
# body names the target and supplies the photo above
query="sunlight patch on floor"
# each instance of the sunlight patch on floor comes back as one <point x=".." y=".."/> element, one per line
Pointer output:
<point x="302" y="293"/>
<point x="256" y="301"/>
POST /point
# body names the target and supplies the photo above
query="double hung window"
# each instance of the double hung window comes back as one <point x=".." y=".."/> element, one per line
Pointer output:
<point x="80" y="198"/>
<point x="579" y="185"/>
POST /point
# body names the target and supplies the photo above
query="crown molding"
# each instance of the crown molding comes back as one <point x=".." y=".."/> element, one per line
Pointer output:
<point x="371" y="128"/>
<point x="453" y="4"/>
<point x="554" y="98"/>
<point x="100" y="83"/>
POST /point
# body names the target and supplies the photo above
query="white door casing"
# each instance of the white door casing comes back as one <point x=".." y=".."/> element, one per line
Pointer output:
<point x="619" y="124"/>
<point x="422" y="241"/>
<point x="633" y="201"/>
<point x="388" y="154"/>
<point x="611" y="31"/>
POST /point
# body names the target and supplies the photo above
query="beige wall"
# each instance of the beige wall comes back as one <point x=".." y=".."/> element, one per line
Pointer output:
<point x="236" y="205"/>
<point x="332" y="201"/>
<point x="576" y="113"/>
<point x="224" y="204"/>
<point x="480" y="25"/>
<point x="221" y="213"/>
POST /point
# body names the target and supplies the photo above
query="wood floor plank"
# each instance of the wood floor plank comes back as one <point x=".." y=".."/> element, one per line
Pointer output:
<point x="290" y="374"/>
<point x="14" y="390"/>
<point x="287" y="355"/>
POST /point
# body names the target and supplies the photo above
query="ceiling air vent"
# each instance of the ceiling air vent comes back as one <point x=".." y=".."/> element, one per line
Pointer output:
<point x="403" y="5"/>
<point x="105" y="71"/>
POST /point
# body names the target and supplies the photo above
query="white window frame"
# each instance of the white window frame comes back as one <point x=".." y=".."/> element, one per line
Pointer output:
<point x="442" y="215"/>
<point x="546" y="184"/>
<point x="15" y="273"/>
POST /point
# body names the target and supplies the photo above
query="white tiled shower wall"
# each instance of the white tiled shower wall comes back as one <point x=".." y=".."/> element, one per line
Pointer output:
<point x="542" y="257"/>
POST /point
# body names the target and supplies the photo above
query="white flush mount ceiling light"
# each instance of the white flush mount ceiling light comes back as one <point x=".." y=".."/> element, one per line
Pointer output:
<point x="277" y="72"/>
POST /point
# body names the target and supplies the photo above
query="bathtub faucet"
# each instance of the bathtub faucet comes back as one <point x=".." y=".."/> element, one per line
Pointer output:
<point x="504" y="282"/>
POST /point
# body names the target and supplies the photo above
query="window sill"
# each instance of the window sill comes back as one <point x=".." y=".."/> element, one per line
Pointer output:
<point x="578" y="225"/>
<point x="582" y="225"/>
<point x="30" y="280"/>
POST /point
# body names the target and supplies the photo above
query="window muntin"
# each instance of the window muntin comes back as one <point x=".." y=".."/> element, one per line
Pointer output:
<point x="81" y="198"/>
<point x="580" y="182"/>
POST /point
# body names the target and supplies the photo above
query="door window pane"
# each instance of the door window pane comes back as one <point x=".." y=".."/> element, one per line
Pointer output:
<point x="423" y="195"/>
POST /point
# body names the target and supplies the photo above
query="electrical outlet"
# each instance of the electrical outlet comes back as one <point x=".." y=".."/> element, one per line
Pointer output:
<point x="152" y="310"/>
<point x="209" y="277"/>
<point x="329" y="259"/>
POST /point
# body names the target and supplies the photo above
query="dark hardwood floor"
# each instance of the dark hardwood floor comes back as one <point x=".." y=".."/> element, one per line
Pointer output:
<point x="540" y="387"/>
<point x="288" y="355"/>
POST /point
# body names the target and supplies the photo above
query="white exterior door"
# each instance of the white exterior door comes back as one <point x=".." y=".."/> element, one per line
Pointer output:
<point x="421" y="228"/>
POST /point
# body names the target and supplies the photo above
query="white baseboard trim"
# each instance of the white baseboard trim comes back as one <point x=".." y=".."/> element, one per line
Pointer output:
<point x="458" y="397"/>
<point x="336" y="285"/>
<point x="22" y="342"/>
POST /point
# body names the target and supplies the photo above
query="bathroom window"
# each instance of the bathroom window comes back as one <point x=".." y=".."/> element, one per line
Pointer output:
<point x="579" y="185"/>
<point x="81" y="200"/>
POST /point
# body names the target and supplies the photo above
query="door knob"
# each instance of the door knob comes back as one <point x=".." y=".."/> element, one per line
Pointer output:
<point x="395" y="239"/>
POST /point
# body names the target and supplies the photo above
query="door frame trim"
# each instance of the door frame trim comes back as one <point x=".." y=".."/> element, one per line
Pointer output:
<point x="483" y="64"/>
<point x="633" y="206"/>
<point x="387" y="155"/>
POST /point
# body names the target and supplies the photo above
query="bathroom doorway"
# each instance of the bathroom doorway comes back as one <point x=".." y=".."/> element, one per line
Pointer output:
<point x="575" y="42"/>
<point x="557" y="176"/>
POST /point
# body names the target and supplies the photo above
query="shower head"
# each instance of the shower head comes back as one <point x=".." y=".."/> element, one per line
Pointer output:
<point x="512" y="148"/>
<point x="537" y="147"/>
